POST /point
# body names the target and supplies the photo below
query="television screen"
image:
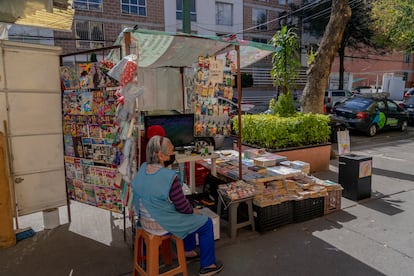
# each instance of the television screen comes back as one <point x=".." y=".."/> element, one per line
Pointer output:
<point x="179" y="128"/>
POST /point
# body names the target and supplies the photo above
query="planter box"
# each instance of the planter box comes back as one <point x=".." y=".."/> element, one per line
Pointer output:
<point x="317" y="156"/>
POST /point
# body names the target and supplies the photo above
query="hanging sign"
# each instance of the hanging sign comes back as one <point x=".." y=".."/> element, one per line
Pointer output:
<point x="216" y="71"/>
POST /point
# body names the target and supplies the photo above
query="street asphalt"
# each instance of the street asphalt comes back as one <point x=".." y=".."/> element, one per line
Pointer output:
<point x="374" y="236"/>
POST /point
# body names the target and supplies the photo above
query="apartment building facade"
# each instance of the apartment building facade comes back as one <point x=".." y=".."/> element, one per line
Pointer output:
<point x="97" y="23"/>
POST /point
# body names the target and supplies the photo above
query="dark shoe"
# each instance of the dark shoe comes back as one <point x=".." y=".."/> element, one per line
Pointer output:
<point x="211" y="271"/>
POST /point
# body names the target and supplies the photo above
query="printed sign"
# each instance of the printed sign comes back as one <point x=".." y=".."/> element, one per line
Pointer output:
<point x="344" y="145"/>
<point x="216" y="71"/>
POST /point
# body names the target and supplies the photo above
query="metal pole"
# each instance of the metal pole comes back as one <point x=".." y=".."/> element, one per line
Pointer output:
<point x="7" y="235"/>
<point x="186" y="17"/>
<point x="239" y="98"/>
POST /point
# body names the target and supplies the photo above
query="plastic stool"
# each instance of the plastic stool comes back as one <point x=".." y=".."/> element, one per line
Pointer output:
<point x="233" y="208"/>
<point x="149" y="264"/>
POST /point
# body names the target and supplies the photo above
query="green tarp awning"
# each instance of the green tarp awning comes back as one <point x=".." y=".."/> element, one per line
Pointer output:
<point x="160" y="49"/>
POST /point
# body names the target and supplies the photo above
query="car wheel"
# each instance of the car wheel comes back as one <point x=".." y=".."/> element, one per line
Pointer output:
<point x="404" y="126"/>
<point x="372" y="130"/>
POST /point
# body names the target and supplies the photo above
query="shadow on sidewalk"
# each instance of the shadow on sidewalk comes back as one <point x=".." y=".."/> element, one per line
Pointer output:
<point x="62" y="252"/>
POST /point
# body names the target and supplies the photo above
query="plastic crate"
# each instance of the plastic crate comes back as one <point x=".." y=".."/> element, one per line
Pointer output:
<point x="308" y="209"/>
<point x="273" y="216"/>
<point x="333" y="201"/>
<point x="201" y="173"/>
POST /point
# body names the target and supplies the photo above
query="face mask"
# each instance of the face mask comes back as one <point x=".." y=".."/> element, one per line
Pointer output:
<point x="169" y="161"/>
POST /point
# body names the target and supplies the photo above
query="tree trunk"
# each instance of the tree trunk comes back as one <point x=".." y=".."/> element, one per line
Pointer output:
<point x="318" y="72"/>
<point x="341" y="53"/>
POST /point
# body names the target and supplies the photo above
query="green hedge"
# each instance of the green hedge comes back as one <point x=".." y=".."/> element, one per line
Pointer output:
<point x="274" y="132"/>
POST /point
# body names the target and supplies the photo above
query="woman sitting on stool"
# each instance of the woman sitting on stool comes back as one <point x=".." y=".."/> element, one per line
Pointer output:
<point x="163" y="208"/>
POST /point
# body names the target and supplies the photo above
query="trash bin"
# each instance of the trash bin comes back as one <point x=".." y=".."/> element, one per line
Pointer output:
<point x="355" y="176"/>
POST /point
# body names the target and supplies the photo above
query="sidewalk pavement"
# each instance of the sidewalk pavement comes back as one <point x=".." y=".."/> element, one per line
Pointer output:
<point x="370" y="237"/>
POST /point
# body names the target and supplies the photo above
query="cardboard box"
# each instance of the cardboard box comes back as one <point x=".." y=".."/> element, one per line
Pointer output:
<point x="216" y="222"/>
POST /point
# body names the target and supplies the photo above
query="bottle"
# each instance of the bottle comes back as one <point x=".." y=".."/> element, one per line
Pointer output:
<point x="198" y="107"/>
<point x="210" y="109"/>
<point x="203" y="109"/>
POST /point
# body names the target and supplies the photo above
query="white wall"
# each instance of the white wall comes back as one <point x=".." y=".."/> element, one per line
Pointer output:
<point x="206" y="18"/>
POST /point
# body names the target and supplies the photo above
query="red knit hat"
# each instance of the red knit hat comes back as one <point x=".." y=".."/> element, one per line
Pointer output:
<point x="155" y="130"/>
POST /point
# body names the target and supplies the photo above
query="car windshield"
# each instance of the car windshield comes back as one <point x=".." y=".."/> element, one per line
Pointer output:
<point x="357" y="103"/>
<point x="410" y="100"/>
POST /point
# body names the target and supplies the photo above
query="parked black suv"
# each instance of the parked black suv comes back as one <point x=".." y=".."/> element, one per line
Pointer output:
<point x="370" y="113"/>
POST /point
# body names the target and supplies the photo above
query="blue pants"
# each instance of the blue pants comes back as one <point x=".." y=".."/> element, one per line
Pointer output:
<point x="205" y="241"/>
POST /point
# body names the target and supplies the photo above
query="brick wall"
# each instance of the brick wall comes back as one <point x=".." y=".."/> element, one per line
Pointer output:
<point x="369" y="66"/>
<point x="113" y="22"/>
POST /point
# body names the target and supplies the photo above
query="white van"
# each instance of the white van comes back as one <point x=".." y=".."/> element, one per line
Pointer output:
<point x="334" y="97"/>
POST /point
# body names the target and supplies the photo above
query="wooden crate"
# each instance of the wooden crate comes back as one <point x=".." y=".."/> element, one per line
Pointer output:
<point x="333" y="201"/>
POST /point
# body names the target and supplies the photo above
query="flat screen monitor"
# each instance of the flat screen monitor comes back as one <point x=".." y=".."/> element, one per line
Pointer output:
<point x="179" y="128"/>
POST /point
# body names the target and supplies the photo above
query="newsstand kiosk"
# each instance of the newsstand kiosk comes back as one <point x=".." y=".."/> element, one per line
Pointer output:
<point x="355" y="176"/>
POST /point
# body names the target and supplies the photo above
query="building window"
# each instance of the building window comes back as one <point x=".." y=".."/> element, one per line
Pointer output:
<point x="259" y="18"/>
<point x="135" y="7"/>
<point x="224" y="14"/>
<point x="406" y="58"/>
<point x="179" y="11"/>
<point x="261" y="40"/>
<point x="91" y="5"/>
<point x="284" y="2"/>
<point x="89" y="34"/>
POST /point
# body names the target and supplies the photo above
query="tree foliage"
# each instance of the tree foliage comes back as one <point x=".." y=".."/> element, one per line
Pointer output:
<point x="319" y="71"/>
<point x="285" y="69"/>
<point x="393" y="21"/>
<point x="358" y="34"/>
<point x="286" y="58"/>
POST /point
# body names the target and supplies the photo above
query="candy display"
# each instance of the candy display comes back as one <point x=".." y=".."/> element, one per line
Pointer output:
<point x="213" y="80"/>
<point x="236" y="190"/>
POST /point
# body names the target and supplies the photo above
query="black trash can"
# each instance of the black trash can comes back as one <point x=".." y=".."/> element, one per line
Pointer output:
<point x="355" y="173"/>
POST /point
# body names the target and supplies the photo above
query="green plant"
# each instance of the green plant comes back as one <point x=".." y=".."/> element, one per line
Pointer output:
<point x="275" y="132"/>
<point x="311" y="56"/>
<point x="284" y="106"/>
<point x="285" y="69"/>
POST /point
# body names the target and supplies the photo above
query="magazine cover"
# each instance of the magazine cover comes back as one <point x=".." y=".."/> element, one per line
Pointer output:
<point x="78" y="194"/>
<point x="99" y="78"/>
<point x="69" y="150"/>
<point x="110" y="102"/>
<point x="108" y="198"/>
<point x="69" y="77"/>
<point x="86" y="169"/>
<point x="77" y="146"/>
<point x="87" y="148"/>
<point x="72" y="102"/>
<point x="89" y="194"/>
<point x="102" y="150"/>
<point x="95" y="131"/>
<point x="70" y="168"/>
<point x="85" y="75"/>
<point x="98" y="103"/>
<point x="79" y="169"/>
<point x="70" y="188"/>
<point x="87" y="98"/>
